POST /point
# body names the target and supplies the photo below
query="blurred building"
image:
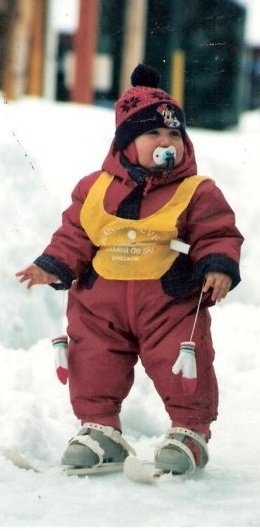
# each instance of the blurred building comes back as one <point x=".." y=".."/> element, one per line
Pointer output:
<point x="22" y="47"/>
<point x="198" y="46"/>
<point x="253" y="77"/>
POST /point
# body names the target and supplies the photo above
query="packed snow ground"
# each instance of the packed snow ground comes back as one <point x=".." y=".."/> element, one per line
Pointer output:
<point x="45" y="149"/>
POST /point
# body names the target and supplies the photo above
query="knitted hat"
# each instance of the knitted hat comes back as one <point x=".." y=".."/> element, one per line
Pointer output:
<point x="145" y="107"/>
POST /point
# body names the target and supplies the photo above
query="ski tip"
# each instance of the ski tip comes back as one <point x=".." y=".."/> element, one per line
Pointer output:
<point x="13" y="455"/>
<point x="140" y="471"/>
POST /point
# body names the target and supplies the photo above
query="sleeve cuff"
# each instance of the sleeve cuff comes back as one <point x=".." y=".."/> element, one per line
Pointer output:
<point x="217" y="262"/>
<point x="55" y="267"/>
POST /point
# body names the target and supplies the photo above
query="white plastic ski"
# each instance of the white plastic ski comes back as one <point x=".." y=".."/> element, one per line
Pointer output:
<point x="13" y="455"/>
<point x="106" y="468"/>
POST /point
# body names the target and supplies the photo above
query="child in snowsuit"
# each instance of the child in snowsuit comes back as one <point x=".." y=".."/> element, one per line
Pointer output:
<point x="141" y="240"/>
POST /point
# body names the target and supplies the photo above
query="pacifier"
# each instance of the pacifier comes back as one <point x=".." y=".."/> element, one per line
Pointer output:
<point x="164" y="156"/>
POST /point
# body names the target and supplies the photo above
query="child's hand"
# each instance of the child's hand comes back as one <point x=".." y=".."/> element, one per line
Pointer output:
<point x="220" y="284"/>
<point x="35" y="275"/>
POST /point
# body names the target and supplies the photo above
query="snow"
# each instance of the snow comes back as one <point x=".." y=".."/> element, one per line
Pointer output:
<point x="46" y="148"/>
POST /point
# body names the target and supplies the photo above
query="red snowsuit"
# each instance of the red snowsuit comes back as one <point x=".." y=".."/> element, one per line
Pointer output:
<point x="113" y="322"/>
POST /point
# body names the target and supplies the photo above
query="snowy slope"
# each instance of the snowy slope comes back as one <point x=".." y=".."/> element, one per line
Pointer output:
<point x="45" y="148"/>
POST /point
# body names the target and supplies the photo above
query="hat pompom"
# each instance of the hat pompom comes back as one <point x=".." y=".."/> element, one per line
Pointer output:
<point x="145" y="76"/>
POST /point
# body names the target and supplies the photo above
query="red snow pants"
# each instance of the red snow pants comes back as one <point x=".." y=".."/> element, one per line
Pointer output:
<point x="113" y="324"/>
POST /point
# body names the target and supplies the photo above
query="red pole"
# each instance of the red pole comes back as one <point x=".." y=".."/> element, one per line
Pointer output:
<point x="84" y="48"/>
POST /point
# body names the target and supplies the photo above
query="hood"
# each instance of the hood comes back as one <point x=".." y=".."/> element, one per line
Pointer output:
<point x="187" y="167"/>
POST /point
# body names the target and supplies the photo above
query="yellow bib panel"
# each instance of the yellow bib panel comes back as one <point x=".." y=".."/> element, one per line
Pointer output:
<point x="132" y="249"/>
